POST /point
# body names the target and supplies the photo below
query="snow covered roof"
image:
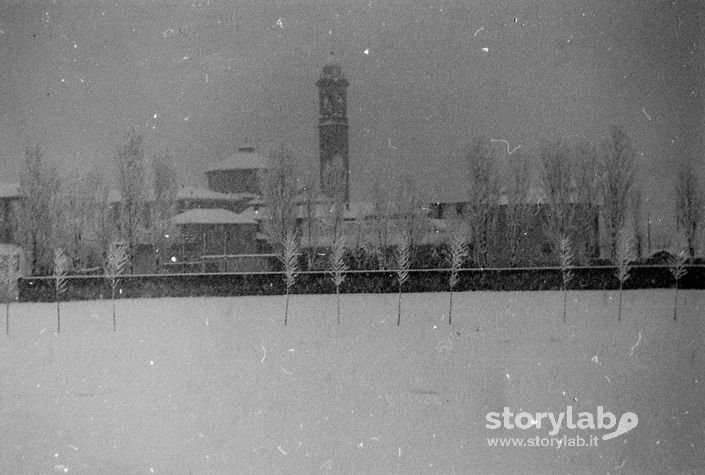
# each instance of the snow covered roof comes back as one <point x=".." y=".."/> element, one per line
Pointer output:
<point x="320" y="209"/>
<point x="9" y="190"/>
<point x="245" y="158"/>
<point x="535" y="194"/>
<point x="191" y="193"/>
<point x="212" y="216"/>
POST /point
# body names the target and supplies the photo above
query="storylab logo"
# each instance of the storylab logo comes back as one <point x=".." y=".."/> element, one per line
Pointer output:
<point x="600" y="420"/>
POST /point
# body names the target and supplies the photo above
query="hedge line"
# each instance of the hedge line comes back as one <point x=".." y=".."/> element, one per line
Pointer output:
<point x="41" y="289"/>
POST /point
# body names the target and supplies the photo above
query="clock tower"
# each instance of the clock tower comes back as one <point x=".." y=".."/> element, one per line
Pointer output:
<point x="333" y="121"/>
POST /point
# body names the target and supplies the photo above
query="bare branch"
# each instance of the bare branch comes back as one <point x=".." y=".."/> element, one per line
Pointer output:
<point x="131" y="182"/>
<point x="278" y="186"/>
<point x="689" y="205"/>
<point x="618" y="177"/>
<point x="483" y="193"/>
<point x="38" y="211"/>
<point x="163" y="205"/>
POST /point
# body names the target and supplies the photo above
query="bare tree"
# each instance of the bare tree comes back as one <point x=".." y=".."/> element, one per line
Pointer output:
<point x="163" y="205"/>
<point x="337" y="268"/>
<point x="361" y="228"/>
<point x="310" y="195"/>
<point x="61" y="264"/>
<point x="618" y="176"/>
<point x="380" y="223"/>
<point x="101" y="216"/>
<point x="678" y="258"/>
<point x="288" y="258"/>
<point x="457" y="252"/>
<point x="278" y="185"/>
<point x="38" y="211"/>
<point x="516" y="190"/>
<point x="9" y="270"/>
<point x="483" y="192"/>
<point x="334" y="179"/>
<point x="689" y="205"/>
<point x="623" y="260"/>
<point x="409" y="212"/>
<point x="115" y="266"/>
<point x="566" y="261"/>
<point x="637" y="220"/>
<point x="131" y="182"/>
<point x="77" y="200"/>
<point x="559" y="186"/>
<point x="586" y="175"/>
<point x="403" y="254"/>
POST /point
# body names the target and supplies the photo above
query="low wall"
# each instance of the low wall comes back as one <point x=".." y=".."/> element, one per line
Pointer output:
<point x="41" y="289"/>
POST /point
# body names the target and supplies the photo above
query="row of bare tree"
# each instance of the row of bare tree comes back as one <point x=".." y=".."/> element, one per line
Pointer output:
<point x="575" y="181"/>
<point x="79" y="215"/>
<point x="575" y="189"/>
<point x="580" y="184"/>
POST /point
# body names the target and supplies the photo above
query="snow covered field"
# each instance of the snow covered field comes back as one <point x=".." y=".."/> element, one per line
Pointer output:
<point x="220" y="386"/>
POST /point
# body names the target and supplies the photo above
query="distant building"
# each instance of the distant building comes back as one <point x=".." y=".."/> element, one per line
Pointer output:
<point x="237" y="173"/>
<point x="9" y="199"/>
<point x="215" y="236"/>
<point x="218" y="223"/>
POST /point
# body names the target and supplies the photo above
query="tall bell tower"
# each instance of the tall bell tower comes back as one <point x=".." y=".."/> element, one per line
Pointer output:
<point x="333" y="121"/>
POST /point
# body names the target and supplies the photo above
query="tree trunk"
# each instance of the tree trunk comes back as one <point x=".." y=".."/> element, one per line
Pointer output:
<point x="565" y="297"/>
<point x="619" y="315"/>
<point x="58" y="315"/>
<point x="311" y="250"/>
<point x="203" y="259"/>
<point x="35" y="259"/>
<point x="675" y="306"/>
<point x="7" y="299"/>
<point x="286" y="308"/>
<point x="450" y="307"/>
<point x="399" y="307"/>
<point x="337" y="297"/>
<point x="113" y="299"/>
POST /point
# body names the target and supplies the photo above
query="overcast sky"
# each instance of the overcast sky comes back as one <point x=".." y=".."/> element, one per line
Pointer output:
<point x="425" y="77"/>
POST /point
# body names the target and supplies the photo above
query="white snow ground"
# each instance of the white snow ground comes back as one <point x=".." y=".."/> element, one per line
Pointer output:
<point x="220" y="386"/>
